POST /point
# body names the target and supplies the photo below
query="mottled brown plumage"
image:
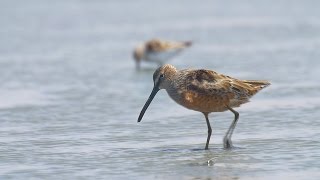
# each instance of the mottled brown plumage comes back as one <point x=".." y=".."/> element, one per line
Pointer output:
<point x="205" y="91"/>
<point x="157" y="45"/>
<point x="158" y="51"/>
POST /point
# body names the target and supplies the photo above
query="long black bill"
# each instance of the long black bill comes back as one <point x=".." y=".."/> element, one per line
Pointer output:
<point x="145" y="107"/>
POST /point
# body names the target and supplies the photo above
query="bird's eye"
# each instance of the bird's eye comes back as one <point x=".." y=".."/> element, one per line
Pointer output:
<point x="161" y="76"/>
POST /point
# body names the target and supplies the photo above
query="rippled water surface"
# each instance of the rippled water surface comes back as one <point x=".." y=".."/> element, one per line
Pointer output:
<point x="70" y="96"/>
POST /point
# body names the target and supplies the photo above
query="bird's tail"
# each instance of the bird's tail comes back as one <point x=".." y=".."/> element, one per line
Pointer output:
<point x="258" y="84"/>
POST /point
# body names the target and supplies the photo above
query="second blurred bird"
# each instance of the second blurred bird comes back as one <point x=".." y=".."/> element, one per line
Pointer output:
<point x="158" y="51"/>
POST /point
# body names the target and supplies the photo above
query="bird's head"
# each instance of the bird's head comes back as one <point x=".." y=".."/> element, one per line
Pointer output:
<point x="138" y="54"/>
<point x="162" y="78"/>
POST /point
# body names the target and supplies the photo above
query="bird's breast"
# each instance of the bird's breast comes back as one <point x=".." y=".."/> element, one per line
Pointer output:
<point x="199" y="102"/>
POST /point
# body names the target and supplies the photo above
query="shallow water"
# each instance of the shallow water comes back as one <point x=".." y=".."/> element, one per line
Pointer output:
<point x="70" y="96"/>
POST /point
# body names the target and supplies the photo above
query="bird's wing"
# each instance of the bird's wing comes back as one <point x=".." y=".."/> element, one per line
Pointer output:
<point x="210" y="83"/>
<point x="157" y="45"/>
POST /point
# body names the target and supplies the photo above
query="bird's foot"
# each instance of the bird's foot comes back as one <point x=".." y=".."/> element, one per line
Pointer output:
<point x="206" y="148"/>
<point x="227" y="143"/>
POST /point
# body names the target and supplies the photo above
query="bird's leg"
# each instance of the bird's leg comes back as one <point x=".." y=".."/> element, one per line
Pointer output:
<point x="137" y="65"/>
<point x="209" y="130"/>
<point x="227" y="143"/>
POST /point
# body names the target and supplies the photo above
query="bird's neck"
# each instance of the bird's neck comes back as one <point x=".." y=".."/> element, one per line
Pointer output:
<point x="172" y="87"/>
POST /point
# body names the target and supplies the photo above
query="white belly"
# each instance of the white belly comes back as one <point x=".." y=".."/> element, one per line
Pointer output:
<point x="161" y="57"/>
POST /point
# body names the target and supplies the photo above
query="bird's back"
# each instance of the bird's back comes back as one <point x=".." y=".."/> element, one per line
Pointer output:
<point x="208" y="91"/>
<point x="160" y="51"/>
<point x="157" y="45"/>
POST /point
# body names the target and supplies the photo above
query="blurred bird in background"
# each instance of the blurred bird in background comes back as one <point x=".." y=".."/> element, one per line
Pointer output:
<point x="158" y="51"/>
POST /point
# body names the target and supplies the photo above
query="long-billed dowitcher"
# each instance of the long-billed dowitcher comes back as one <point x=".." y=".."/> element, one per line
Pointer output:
<point x="158" y="51"/>
<point x="205" y="91"/>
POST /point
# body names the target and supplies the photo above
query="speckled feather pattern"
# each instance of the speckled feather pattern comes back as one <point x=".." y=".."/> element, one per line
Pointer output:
<point x="157" y="45"/>
<point x="206" y="90"/>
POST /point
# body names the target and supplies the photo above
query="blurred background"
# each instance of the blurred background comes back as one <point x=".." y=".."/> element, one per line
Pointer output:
<point x="70" y="94"/>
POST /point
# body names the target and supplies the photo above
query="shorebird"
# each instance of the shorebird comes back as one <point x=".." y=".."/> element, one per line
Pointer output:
<point x="158" y="51"/>
<point x="205" y="91"/>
